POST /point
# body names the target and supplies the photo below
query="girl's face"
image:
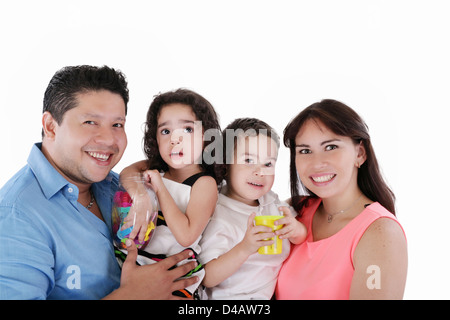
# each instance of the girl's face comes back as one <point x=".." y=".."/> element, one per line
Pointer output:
<point x="326" y="163"/>
<point x="253" y="172"/>
<point x="179" y="136"/>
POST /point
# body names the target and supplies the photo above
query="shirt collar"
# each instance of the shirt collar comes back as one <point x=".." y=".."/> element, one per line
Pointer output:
<point x="49" y="179"/>
<point x="266" y="200"/>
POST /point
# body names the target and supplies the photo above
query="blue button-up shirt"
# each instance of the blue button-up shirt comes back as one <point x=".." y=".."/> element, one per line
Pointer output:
<point x="51" y="246"/>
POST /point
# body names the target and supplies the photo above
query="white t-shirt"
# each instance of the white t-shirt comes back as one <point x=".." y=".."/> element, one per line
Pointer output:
<point x="163" y="241"/>
<point x="257" y="277"/>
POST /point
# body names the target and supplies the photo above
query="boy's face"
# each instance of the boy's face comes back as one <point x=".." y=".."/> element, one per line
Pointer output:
<point x="253" y="172"/>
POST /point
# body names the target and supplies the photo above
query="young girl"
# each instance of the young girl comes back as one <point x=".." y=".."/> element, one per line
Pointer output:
<point x="355" y="248"/>
<point x="234" y="269"/>
<point x="186" y="187"/>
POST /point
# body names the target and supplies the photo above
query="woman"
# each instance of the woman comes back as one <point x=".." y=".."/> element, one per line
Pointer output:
<point x="355" y="248"/>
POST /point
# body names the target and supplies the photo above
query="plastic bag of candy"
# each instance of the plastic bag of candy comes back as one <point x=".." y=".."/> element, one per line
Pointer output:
<point x="144" y="200"/>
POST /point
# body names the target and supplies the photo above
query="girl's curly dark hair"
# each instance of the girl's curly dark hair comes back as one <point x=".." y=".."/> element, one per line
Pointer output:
<point x="203" y="110"/>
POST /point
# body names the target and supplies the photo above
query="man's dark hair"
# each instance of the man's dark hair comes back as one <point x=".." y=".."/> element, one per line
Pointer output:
<point x="61" y="92"/>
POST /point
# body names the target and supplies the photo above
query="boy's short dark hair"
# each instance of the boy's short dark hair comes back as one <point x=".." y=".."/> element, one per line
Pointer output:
<point x="248" y="127"/>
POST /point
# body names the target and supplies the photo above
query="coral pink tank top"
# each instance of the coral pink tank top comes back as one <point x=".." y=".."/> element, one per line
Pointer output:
<point x="323" y="269"/>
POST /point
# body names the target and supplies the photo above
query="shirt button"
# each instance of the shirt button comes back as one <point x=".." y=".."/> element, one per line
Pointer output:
<point x="70" y="190"/>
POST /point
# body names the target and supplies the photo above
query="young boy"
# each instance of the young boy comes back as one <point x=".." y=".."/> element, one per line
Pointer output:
<point x="234" y="269"/>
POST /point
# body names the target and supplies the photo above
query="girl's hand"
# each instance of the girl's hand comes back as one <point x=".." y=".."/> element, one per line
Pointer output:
<point x="142" y="207"/>
<point x="293" y="229"/>
<point x="139" y="216"/>
<point x="154" y="179"/>
<point x="255" y="235"/>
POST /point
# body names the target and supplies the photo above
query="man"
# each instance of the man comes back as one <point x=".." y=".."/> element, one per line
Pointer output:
<point x="55" y="213"/>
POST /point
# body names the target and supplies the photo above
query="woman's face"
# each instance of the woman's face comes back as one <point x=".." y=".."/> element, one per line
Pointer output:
<point x="327" y="163"/>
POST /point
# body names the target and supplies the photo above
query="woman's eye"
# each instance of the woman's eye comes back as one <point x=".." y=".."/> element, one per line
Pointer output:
<point x="330" y="147"/>
<point x="89" y="122"/>
<point x="304" y="151"/>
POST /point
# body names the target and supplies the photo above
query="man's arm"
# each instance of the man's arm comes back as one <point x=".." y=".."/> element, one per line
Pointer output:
<point x="26" y="260"/>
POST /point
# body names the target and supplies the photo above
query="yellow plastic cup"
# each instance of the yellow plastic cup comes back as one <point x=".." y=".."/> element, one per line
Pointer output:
<point x="268" y="221"/>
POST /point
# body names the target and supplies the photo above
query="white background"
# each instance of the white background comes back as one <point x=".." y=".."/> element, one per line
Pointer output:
<point x="389" y="60"/>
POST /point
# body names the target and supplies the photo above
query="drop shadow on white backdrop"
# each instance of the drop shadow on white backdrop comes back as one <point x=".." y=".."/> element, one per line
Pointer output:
<point x="266" y="59"/>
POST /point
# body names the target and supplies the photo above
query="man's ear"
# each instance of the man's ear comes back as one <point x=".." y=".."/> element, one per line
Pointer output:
<point x="48" y="125"/>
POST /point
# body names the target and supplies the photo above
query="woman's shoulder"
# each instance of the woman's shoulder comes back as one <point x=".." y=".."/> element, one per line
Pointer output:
<point x="382" y="246"/>
<point x="383" y="231"/>
<point x="383" y="221"/>
<point x="385" y="228"/>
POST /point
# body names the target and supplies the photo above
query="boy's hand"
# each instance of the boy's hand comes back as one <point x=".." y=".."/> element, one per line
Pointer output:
<point x="293" y="229"/>
<point x="255" y="235"/>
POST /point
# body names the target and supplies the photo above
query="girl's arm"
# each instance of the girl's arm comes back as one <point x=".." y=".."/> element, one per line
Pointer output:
<point x="131" y="172"/>
<point x="187" y="227"/>
<point x="380" y="261"/>
<point x="217" y="270"/>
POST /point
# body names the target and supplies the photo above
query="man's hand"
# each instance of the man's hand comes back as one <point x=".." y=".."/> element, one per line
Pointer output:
<point x="155" y="281"/>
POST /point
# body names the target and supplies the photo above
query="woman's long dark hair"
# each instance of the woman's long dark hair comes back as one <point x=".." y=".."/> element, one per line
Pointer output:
<point x="343" y="121"/>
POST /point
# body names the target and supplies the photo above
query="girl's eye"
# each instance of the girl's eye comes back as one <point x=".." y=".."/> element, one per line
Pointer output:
<point x="188" y="130"/>
<point x="165" y="131"/>
<point x="249" y="161"/>
<point x="330" y="147"/>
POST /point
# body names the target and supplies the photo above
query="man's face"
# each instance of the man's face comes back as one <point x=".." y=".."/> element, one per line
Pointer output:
<point x="91" y="138"/>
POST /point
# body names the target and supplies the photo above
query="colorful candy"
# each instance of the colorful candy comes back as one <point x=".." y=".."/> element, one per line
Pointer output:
<point x="121" y="208"/>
